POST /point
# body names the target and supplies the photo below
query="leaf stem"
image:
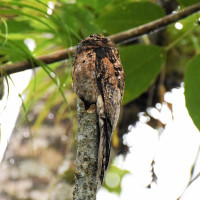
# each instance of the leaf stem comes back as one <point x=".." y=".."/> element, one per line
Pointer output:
<point x="176" y="41"/>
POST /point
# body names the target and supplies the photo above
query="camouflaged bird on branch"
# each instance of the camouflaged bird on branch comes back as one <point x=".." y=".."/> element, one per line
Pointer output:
<point x="98" y="80"/>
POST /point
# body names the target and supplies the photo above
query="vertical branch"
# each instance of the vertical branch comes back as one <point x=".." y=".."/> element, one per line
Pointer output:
<point x="87" y="154"/>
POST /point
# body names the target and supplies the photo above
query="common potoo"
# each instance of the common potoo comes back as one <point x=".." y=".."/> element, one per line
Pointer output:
<point x="98" y="78"/>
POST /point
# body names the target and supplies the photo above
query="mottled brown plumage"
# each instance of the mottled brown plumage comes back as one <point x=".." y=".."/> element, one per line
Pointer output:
<point x="98" y="78"/>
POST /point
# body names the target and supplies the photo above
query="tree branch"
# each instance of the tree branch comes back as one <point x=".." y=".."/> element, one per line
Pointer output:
<point x="87" y="154"/>
<point x="155" y="25"/>
<point x="116" y="38"/>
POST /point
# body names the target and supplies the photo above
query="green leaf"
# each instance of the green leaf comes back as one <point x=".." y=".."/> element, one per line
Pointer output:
<point x="14" y="12"/>
<point x="192" y="88"/>
<point x="188" y="2"/>
<point x="14" y="50"/>
<point x="120" y="17"/>
<point x="142" y="64"/>
<point x="17" y="26"/>
<point x="97" y="5"/>
<point x="79" y="19"/>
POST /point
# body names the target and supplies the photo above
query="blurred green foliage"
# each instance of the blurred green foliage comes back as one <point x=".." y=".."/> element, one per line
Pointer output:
<point x="69" y="176"/>
<point x="53" y="25"/>
<point x="113" y="179"/>
<point x="188" y="2"/>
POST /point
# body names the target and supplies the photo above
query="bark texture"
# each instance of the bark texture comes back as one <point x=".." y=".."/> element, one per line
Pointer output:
<point x="87" y="154"/>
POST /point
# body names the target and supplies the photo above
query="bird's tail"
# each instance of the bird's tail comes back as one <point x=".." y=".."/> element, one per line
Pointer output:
<point x="104" y="147"/>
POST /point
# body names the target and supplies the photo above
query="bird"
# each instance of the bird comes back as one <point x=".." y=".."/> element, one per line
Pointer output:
<point x="98" y="79"/>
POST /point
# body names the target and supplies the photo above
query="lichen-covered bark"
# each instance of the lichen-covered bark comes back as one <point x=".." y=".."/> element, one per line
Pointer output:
<point x="87" y="154"/>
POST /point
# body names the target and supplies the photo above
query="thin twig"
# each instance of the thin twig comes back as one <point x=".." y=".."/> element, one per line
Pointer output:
<point x="192" y="172"/>
<point x="197" y="176"/>
<point x="48" y="59"/>
<point x="116" y="38"/>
